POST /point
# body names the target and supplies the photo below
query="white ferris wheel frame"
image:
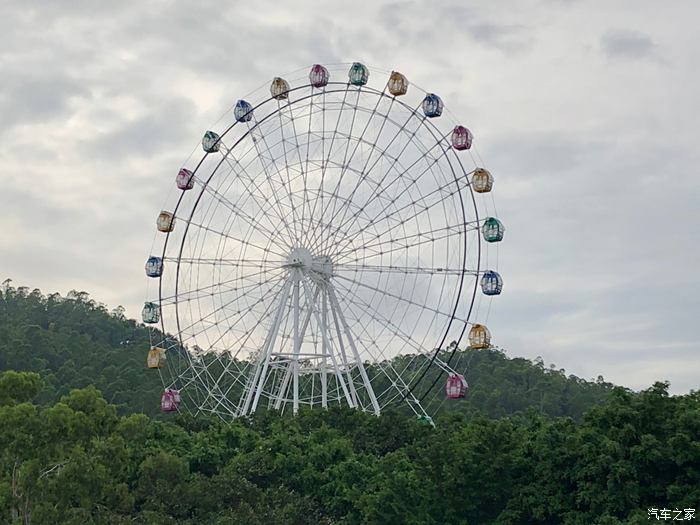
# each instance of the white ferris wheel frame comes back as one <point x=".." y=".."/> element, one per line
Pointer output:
<point x="275" y="372"/>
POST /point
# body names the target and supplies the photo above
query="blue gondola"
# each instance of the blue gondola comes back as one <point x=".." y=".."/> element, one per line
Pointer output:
<point x="432" y="105"/>
<point x="491" y="283"/>
<point x="243" y="111"/>
<point x="154" y="266"/>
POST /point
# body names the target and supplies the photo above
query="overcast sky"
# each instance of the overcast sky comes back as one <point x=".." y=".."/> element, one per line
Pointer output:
<point x="586" y="112"/>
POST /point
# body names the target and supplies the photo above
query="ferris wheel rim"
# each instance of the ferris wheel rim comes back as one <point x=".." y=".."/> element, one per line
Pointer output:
<point x="457" y="171"/>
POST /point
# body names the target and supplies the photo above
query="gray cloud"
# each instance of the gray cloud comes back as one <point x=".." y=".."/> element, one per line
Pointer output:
<point x="507" y="38"/>
<point x="39" y="96"/>
<point x="627" y="44"/>
<point x="164" y="125"/>
<point x="595" y="179"/>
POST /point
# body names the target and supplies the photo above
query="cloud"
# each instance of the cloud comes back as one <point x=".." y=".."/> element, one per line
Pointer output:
<point x="625" y="44"/>
<point x="163" y="125"/>
<point x="29" y="97"/>
<point x="595" y="164"/>
<point x="506" y="38"/>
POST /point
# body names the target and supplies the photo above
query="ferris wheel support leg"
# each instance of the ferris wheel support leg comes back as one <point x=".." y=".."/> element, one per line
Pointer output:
<point x="259" y="381"/>
<point x="344" y="357"/>
<point x="324" y="349"/>
<point x="282" y="393"/>
<point x="297" y="349"/>
<point x="339" y="379"/>
<point x="338" y="375"/>
<point x="336" y="306"/>
<point x="252" y="380"/>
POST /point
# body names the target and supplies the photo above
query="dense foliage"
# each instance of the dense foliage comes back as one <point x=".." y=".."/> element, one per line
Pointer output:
<point x="528" y="444"/>
<point x="78" y="462"/>
<point x="73" y="342"/>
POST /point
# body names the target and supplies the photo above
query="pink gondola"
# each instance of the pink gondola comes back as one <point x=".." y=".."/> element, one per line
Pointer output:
<point x="461" y="138"/>
<point x="185" y="179"/>
<point x="318" y="76"/>
<point x="456" y="386"/>
<point x="168" y="401"/>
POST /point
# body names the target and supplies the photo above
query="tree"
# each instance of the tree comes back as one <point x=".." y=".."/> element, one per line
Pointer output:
<point x="18" y="387"/>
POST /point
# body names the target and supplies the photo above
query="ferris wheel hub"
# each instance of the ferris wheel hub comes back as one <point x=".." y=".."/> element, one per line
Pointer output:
<point x="308" y="264"/>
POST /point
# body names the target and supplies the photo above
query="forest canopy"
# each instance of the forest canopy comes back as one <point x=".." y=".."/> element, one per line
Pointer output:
<point x="77" y="461"/>
<point x="81" y="442"/>
<point x="74" y="342"/>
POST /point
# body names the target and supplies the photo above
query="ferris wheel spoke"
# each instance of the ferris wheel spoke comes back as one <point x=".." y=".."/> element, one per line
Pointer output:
<point x="259" y="292"/>
<point x="215" y="393"/>
<point x="397" y="386"/>
<point x="279" y="210"/>
<point x="189" y="376"/>
<point x="247" y="334"/>
<point x="364" y="168"/>
<point x="254" y="286"/>
<point x="320" y="227"/>
<point x="358" y="141"/>
<point x="190" y="295"/>
<point x="405" y="270"/>
<point x="239" y="282"/>
<point x="345" y="161"/>
<point x="303" y="165"/>
<point x="267" y="204"/>
<point x="367" y="305"/>
<point x="354" y="108"/>
<point x="437" y="193"/>
<point x="367" y="170"/>
<point x="290" y="110"/>
<point x="228" y="363"/>
<point x="326" y="161"/>
<point x="384" y="365"/>
<point x="305" y="171"/>
<point x="240" y="171"/>
<point x="344" y="223"/>
<point x="238" y="270"/>
<point x="237" y="239"/>
<point x="239" y="263"/>
<point x="393" y="328"/>
<point x="239" y="340"/>
<point x="225" y="373"/>
<point x="320" y="138"/>
<point x="239" y="212"/>
<point x="184" y="296"/>
<point x="396" y="297"/>
<point x="406" y="242"/>
<point x="268" y="177"/>
<point x="324" y="165"/>
<point x="287" y="169"/>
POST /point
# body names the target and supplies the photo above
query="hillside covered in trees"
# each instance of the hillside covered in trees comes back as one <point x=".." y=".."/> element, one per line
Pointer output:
<point x="81" y="442"/>
<point x="73" y="342"/>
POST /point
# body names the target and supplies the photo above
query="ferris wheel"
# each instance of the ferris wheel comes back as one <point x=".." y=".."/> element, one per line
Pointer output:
<point x="328" y="246"/>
